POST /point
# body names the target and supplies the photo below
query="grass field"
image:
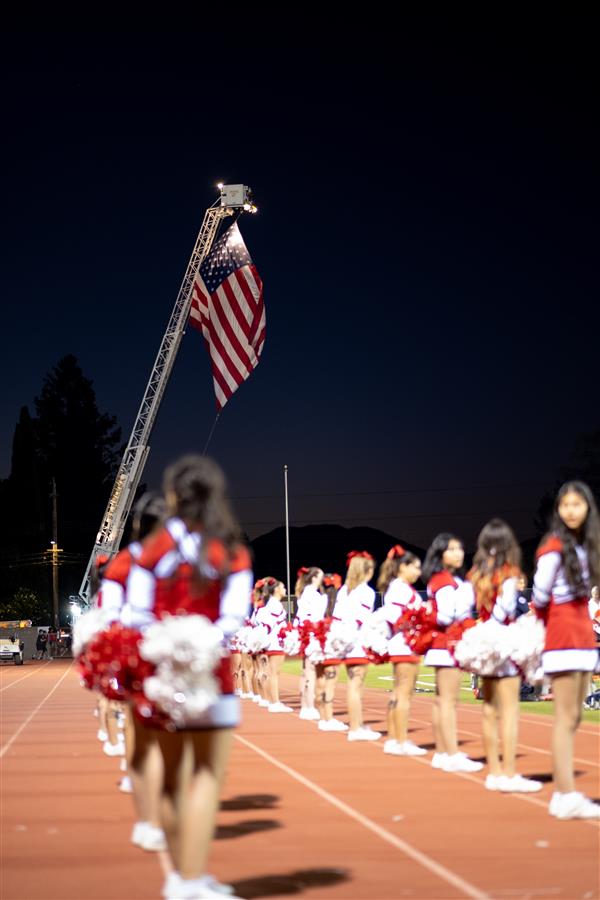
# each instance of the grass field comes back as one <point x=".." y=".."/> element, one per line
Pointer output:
<point x="381" y="677"/>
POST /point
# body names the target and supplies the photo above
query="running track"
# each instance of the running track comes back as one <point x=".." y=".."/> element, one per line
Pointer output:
<point x="303" y="813"/>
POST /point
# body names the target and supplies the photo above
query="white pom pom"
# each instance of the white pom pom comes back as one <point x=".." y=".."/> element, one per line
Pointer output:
<point x="314" y="651"/>
<point x="87" y="626"/>
<point x="291" y="643"/>
<point x="376" y="632"/>
<point x="186" y="651"/>
<point x="340" y="640"/>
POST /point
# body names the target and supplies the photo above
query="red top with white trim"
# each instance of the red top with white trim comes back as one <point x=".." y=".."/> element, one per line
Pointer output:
<point x="166" y="580"/>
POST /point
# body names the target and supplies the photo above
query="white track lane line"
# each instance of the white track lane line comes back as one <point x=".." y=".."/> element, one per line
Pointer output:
<point x="464" y="887"/>
<point x="584" y="762"/>
<point x="8" y="745"/>
<point x="17" y="680"/>
<point x="466" y="777"/>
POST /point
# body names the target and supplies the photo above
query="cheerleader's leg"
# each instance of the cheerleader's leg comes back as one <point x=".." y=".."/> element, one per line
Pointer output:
<point x="567" y="689"/>
<point x="356" y="678"/>
<point x="331" y="675"/>
<point x="508" y="696"/>
<point x="320" y="689"/>
<point x="145" y="768"/>
<point x="275" y="664"/>
<point x="490" y="725"/>
<point x="448" y="688"/>
<point x="405" y="677"/>
<point x="195" y="764"/>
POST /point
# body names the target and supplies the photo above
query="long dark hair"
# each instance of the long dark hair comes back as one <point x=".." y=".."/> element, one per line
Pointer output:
<point x="149" y="511"/>
<point x="390" y="568"/>
<point x="588" y="537"/>
<point x="498" y="557"/>
<point x="199" y="486"/>
<point x="433" y="561"/>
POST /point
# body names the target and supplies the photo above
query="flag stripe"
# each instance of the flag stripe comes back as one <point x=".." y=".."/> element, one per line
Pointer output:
<point x="227" y="308"/>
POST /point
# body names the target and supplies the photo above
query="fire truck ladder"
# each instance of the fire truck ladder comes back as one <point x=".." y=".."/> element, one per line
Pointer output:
<point x="234" y="199"/>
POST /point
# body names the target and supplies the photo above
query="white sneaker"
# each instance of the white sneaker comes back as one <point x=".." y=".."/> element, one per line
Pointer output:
<point x="137" y="833"/>
<point x="392" y="747"/>
<point x="264" y="703"/>
<point x="410" y="749"/>
<point x="125" y="785"/>
<point x="331" y="725"/>
<point x="102" y="735"/>
<point x="492" y="782"/>
<point x="203" y="888"/>
<point x="516" y="784"/>
<point x="438" y="761"/>
<point x="364" y="734"/>
<point x="279" y="708"/>
<point x="460" y="762"/>
<point x="310" y="714"/>
<point x="153" y="839"/>
<point x="256" y="698"/>
<point x="246" y="695"/>
<point x="573" y="805"/>
<point x="114" y="749"/>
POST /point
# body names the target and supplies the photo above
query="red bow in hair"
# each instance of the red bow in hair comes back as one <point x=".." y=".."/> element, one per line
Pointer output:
<point x="396" y="551"/>
<point x="260" y="583"/>
<point x="362" y="554"/>
<point x="334" y="580"/>
<point x="270" y="581"/>
<point x="303" y="570"/>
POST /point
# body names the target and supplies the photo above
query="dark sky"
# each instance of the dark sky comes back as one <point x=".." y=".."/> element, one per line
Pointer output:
<point x="427" y="238"/>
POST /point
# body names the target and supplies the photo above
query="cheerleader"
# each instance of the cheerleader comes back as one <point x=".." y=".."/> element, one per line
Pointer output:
<point x="259" y="659"/>
<point x="330" y="667"/>
<point x="452" y="601"/>
<point x="144" y="762"/>
<point x="568" y="563"/>
<point x="195" y="566"/>
<point x="272" y="615"/>
<point x="354" y="604"/>
<point x="395" y="583"/>
<point x="311" y="608"/>
<point x="495" y="576"/>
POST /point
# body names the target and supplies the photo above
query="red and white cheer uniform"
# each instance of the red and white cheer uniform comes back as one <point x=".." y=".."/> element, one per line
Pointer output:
<point x="399" y="597"/>
<point x="272" y="615"/>
<point x="570" y="643"/>
<point x="452" y="600"/>
<point x="164" y="581"/>
<point x="354" y="609"/>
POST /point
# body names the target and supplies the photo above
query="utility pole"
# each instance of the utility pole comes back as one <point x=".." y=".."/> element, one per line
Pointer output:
<point x="55" y="551"/>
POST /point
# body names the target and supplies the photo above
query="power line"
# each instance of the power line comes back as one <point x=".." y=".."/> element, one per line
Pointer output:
<point x="437" y="490"/>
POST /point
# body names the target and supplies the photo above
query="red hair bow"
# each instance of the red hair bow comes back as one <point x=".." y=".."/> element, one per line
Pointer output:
<point x="396" y="551"/>
<point x="260" y="583"/>
<point x="334" y="580"/>
<point x="362" y="554"/>
<point x="303" y="570"/>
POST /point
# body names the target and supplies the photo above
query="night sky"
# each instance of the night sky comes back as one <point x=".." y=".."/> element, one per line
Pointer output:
<point x="427" y="237"/>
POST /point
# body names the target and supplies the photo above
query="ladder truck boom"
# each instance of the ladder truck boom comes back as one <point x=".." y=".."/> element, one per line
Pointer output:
<point x="233" y="199"/>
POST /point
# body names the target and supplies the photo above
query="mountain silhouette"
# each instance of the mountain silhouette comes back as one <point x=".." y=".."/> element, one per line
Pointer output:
<point x="325" y="546"/>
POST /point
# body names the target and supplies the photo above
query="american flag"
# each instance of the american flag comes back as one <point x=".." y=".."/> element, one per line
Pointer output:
<point x="227" y="307"/>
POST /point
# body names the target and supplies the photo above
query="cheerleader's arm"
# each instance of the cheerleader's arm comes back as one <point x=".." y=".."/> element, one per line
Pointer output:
<point x="113" y="598"/>
<point x="234" y="605"/>
<point x="544" y="578"/>
<point x="138" y="611"/>
<point x="505" y="607"/>
<point x="464" y="602"/>
<point x="446" y="605"/>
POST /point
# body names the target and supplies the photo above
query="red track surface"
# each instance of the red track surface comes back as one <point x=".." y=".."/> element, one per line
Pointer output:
<point x="303" y="813"/>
